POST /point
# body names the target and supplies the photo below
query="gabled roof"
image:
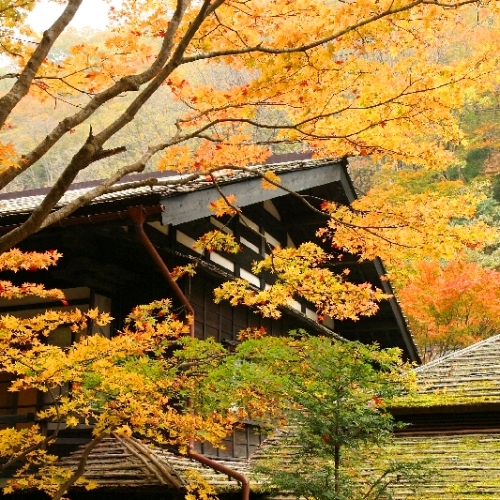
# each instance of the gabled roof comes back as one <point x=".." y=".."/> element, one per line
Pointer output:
<point x="119" y="462"/>
<point x="466" y="377"/>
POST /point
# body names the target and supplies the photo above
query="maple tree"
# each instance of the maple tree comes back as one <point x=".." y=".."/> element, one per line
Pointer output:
<point x="309" y="76"/>
<point x="123" y="385"/>
<point x="451" y="306"/>
<point x="341" y="79"/>
<point x="155" y="381"/>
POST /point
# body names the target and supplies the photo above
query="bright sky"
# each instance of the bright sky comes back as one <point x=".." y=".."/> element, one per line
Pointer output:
<point x="91" y="13"/>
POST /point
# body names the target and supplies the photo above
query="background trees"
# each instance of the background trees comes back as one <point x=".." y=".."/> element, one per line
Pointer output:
<point x="451" y="305"/>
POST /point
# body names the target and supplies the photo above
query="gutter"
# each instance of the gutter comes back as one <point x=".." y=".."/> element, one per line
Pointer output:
<point x="138" y="215"/>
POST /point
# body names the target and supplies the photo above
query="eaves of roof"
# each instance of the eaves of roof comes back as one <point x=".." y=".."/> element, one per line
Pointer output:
<point x="25" y="202"/>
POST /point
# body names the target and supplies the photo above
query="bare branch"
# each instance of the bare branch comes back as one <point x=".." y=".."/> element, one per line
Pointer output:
<point x="21" y="87"/>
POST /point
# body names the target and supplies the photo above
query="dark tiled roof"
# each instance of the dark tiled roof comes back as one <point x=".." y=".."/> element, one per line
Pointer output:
<point x="25" y="203"/>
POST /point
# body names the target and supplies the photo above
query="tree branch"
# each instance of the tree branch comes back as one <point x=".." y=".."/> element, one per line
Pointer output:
<point x="21" y="87"/>
<point x="81" y="467"/>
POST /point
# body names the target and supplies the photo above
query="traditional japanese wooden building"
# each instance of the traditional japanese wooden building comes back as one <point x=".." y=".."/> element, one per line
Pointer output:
<point x="115" y="248"/>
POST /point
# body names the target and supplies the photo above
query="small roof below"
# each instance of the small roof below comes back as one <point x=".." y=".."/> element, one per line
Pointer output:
<point x="118" y="462"/>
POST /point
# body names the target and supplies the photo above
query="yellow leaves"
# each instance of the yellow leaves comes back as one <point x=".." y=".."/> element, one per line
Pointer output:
<point x="91" y="485"/>
<point x="13" y="441"/>
<point x="10" y="291"/>
<point x="299" y="274"/>
<point x="198" y="488"/>
<point x="415" y="226"/>
<point x="223" y="206"/>
<point x="179" y="271"/>
<point x="16" y="260"/>
<point x="270" y="181"/>
<point x="72" y="421"/>
<point x="124" y="431"/>
<point x="100" y="319"/>
<point x="217" y="240"/>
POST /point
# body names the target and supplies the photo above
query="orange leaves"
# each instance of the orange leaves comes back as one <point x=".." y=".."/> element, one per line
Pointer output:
<point x="223" y="206"/>
<point x="251" y="333"/>
<point x="176" y="158"/>
<point x="461" y="305"/>
<point x="217" y="240"/>
<point x="8" y="155"/>
<point x="15" y="260"/>
<point x="233" y="148"/>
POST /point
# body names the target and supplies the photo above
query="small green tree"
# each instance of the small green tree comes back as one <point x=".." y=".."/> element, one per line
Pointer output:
<point x="334" y="447"/>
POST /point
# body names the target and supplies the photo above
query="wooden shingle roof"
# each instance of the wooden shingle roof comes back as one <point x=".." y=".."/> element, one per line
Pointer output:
<point x="455" y="427"/>
<point x="461" y="467"/>
<point x="467" y="466"/>
<point x="118" y="462"/>
<point x="470" y="376"/>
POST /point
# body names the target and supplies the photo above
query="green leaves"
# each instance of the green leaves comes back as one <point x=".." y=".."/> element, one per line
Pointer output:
<point x="338" y="422"/>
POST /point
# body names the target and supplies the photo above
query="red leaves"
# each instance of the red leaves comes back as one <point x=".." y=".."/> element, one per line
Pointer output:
<point x="461" y="304"/>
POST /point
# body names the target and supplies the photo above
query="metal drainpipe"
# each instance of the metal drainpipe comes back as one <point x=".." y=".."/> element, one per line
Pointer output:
<point x="138" y="215"/>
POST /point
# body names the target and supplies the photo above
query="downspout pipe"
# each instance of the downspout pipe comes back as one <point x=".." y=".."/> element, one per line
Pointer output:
<point x="138" y="215"/>
<point x="244" y="481"/>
